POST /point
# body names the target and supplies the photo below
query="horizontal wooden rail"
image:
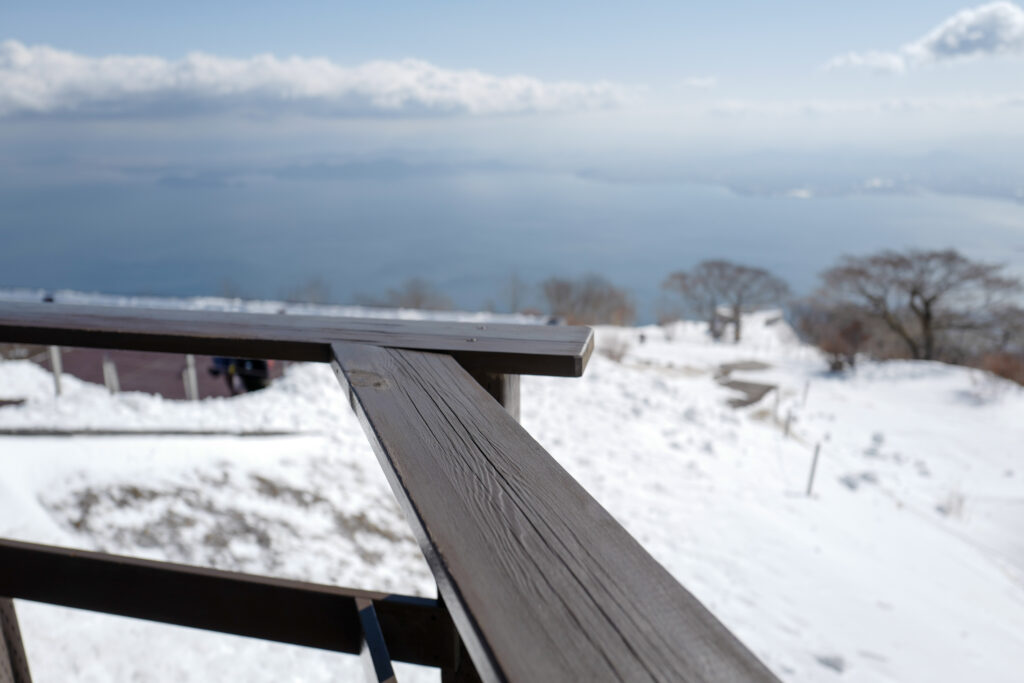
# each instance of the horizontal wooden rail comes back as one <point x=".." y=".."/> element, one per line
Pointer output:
<point x="482" y="347"/>
<point x="416" y="630"/>
<point x="542" y="583"/>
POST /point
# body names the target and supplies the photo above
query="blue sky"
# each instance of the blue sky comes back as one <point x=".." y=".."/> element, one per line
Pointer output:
<point x="756" y="47"/>
<point x="636" y="41"/>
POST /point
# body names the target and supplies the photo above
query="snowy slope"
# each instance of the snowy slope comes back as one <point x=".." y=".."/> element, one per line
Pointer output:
<point x="906" y="564"/>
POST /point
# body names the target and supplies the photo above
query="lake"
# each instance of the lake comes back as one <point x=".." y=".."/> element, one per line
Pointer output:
<point x="466" y="232"/>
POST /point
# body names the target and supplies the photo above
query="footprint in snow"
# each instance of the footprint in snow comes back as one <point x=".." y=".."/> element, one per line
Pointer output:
<point x="853" y="480"/>
<point x="834" y="662"/>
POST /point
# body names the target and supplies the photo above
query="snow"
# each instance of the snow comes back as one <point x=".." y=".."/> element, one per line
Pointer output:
<point x="212" y="303"/>
<point x="905" y="564"/>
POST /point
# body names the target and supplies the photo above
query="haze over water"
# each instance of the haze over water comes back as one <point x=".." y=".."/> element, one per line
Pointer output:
<point x="467" y="232"/>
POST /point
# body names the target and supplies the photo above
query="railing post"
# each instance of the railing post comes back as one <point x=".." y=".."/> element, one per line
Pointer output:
<point x="814" y="466"/>
<point x="189" y="378"/>
<point x="504" y="388"/>
<point x="57" y="367"/>
<point x="13" y="662"/>
<point x="110" y="375"/>
<point x="373" y="650"/>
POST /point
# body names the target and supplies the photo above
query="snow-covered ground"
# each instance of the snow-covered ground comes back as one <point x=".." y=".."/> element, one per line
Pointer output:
<point x="906" y="564"/>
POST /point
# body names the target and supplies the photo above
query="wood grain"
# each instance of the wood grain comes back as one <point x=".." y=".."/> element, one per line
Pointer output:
<point x="13" y="661"/>
<point x="515" y="349"/>
<point x="541" y="582"/>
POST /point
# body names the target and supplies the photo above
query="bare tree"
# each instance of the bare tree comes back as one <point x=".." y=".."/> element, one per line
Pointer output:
<point x="715" y="285"/>
<point x="1006" y="329"/>
<point x="839" y="330"/>
<point x="559" y="293"/>
<point x="1006" y="365"/>
<point x="599" y="301"/>
<point x="313" y="291"/>
<point x="413" y="293"/>
<point x="668" y="309"/>
<point x="589" y="300"/>
<point x="230" y="289"/>
<point x="925" y="298"/>
<point x="514" y="293"/>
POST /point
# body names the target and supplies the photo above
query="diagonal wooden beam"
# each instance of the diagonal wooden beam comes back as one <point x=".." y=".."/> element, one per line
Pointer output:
<point x="541" y="582"/>
<point x="13" y="661"/>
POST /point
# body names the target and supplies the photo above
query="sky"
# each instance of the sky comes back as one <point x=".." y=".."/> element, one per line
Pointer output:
<point x="792" y="99"/>
<point x="646" y="42"/>
<point x="653" y="60"/>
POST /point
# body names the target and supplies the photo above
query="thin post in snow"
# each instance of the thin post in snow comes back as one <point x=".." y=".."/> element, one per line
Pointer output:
<point x="57" y="367"/>
<point x="186" y="382"/>
<point x="814" y="467"/>
<point x="789" y="420"/>
<point x="775" y="409"/>
<point x="110" y="378"/>
<point x="188" y="376"/>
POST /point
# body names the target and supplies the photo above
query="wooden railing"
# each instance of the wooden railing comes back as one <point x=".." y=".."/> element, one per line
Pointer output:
<point x="536" y="581"/>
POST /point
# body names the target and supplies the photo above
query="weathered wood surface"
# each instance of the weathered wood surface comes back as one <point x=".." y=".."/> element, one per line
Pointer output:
<point x="6" y="660"/>
<point x="417" y="630"/>
<point x="541" y="582"/>
<point x="487" y="347"/>
<point x="13" y="661"/>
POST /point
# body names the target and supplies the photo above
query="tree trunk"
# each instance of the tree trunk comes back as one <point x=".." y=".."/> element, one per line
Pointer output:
<point x="713" y="326"/>
<point x="895" y="326"/>
<point x="928" y="331"/>
<point x="736" y="311"/>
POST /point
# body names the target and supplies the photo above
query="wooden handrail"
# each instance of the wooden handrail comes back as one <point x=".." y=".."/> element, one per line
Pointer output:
<point x="540" y="581"/>
<point x="485" y="347"/>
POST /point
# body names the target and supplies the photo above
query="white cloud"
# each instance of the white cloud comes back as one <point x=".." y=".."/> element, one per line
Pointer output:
<point x="41" y="80"/>
<point x="818" y="108"/>
<point x="885" y="62"/>
<point x="700" y="82"/>
<point x="993" y="29"/>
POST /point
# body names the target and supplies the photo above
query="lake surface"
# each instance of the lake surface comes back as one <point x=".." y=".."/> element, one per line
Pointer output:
<point x="465" y="232"/>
